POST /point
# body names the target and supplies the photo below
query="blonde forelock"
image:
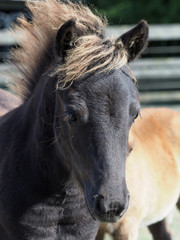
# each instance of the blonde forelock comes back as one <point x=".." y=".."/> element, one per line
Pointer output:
<point x="90" y="54"/>
<point x="91" y="51"/>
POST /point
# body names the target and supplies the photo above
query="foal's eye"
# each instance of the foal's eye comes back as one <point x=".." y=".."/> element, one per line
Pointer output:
<point x="136" y="116"/>
<point x="71" y="117"/>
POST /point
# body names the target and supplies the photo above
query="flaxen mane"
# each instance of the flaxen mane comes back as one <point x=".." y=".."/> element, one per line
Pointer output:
<point x="90" y="52"/>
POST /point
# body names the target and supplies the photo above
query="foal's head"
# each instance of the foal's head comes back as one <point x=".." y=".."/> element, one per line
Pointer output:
<point x="96" y="96"/>
<point x="98" y="110"/>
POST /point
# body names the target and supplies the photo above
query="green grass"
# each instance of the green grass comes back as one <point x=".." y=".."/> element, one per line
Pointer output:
<point x="174" y="226"/>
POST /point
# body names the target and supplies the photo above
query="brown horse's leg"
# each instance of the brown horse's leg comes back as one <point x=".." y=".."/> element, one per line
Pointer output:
<point x="100" y="235"/>
<point x="126" y="230"/>
<point x="101" y="232"/>
<point x="160" y="231"/>
<point x="119" y="231"/>
<point x="118" y="235"/>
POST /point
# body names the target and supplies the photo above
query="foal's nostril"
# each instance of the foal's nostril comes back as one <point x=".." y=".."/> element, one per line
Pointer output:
<point x="116" y="208"/>
<point x="99" y="204"/>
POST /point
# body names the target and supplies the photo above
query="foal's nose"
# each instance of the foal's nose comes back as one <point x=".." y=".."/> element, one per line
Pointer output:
<point x="112" y="211"/>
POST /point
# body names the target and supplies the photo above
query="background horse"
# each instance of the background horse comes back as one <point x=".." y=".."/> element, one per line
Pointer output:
<point x="153" y="175"/>
<point x="8" y="101"/>
<point x="62" y="149"/>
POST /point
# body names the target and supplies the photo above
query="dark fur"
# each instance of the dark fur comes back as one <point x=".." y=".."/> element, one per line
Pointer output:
<point x="61" y="149"/>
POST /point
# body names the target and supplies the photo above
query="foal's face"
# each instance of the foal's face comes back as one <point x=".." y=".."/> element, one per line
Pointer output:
<point x="98" y="114"/>
<point x="98" y="111"/>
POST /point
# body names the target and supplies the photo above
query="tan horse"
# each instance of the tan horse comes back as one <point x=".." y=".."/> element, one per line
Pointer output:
<point x="153" y="175"/>
<point x="8" y="101"/>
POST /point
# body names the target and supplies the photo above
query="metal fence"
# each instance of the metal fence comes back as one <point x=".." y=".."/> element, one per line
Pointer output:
<point x="157" y="71"/>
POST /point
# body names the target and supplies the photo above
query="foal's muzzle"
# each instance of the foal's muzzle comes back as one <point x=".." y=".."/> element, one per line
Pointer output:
<point x="109" y="212"/>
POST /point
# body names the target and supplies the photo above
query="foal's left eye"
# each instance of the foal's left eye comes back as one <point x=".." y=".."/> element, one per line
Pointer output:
<point x="136" y="115"/>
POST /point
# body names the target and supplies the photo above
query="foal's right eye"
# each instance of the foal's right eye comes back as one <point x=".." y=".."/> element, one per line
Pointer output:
<point x="71" y="117"/>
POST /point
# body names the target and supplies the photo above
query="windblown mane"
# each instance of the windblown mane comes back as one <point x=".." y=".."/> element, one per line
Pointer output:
<point x="92" y="50"/>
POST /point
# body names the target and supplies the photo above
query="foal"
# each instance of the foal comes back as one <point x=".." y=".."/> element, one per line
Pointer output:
<point x="62" y="149"/>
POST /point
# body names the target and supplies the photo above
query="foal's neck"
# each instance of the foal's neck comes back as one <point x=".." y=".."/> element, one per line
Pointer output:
<point x="62" y="216"/>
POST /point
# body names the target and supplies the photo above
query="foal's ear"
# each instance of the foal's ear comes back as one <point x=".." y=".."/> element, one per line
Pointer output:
<point x="66" y="34"/>
<point x="135" y="40"/>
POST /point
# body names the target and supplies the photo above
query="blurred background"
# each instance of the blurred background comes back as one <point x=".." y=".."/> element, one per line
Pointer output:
<point x="158" y="69"/>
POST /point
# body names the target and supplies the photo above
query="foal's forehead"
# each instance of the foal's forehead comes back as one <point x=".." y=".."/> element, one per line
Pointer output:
<point x="117" y="82"/>
<point x="106" y="92"/>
